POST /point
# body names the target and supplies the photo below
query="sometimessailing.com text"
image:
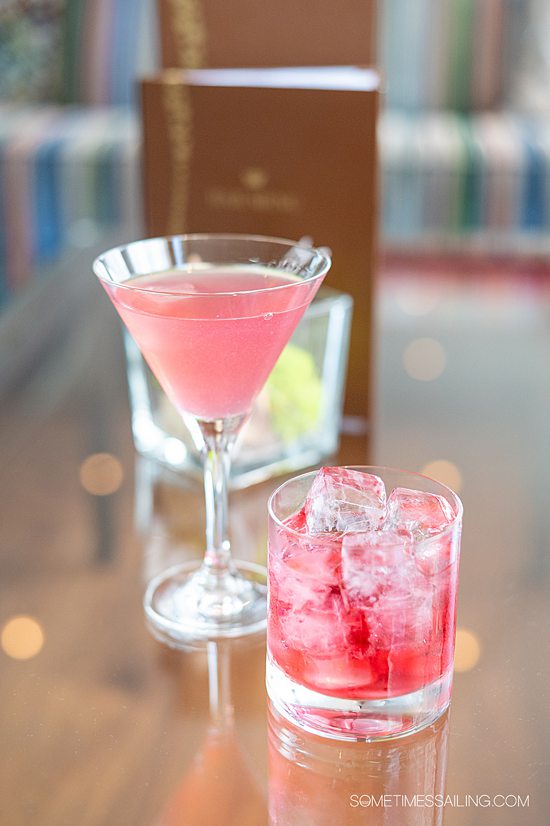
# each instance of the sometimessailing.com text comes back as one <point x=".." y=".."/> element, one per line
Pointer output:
<point x="439" y="801"/>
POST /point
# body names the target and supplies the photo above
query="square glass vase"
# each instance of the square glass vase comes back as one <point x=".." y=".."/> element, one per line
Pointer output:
<point x="295" y="421"/>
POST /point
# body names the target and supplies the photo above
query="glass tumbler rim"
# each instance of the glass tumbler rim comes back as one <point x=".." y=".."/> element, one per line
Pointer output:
<point x="454" y="498"/>
<point x="104" y="273"/>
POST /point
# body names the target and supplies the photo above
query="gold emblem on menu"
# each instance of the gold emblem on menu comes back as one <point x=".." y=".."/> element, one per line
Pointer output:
<point x="252" y="194"/>
<point x="254" y="178"/>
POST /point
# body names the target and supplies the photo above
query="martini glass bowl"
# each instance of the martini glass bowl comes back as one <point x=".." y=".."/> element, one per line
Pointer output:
<point x="211" y="315"/>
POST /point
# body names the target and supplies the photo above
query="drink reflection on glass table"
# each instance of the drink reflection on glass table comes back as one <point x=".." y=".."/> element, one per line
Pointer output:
<point x="317" y="782"/>
<point x="222" y="785"/>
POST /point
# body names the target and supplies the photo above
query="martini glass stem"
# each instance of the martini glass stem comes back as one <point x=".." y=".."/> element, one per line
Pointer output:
<point x="219" y="437"/>
<point x="217" y="462"/>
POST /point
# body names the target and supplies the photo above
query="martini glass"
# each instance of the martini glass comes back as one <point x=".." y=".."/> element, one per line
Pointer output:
<point x="211" y="315"/>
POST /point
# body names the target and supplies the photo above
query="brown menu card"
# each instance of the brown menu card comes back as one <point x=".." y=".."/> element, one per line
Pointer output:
<point x="255" y="33"/>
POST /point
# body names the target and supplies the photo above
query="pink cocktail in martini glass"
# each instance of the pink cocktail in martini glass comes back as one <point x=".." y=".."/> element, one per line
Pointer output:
<point x="211" y="315"/>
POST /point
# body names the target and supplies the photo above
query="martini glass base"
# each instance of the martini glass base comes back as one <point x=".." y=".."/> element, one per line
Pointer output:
<point x="189" y="602"/>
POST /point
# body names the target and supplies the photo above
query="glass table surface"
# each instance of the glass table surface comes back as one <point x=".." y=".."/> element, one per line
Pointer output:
<point x="101" y="724"/>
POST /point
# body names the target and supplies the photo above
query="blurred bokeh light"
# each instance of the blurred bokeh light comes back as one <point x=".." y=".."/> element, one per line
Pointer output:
<point x="22" y="637"/>
<point x="424" y="359"/>
<point x="101" y="474"/>
<point x="445" y="472"/>
<point x="467" y="651"/>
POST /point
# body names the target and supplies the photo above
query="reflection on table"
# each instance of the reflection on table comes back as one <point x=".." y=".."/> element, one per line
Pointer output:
<point x="318" y="782"/>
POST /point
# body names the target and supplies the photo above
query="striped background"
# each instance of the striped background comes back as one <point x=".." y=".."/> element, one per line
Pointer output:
<point x="452" y="54"/>
<point x="458" y="167"/>
<point x="450" y="178"/>
<point x="66" y="175"/>
<point x="69" y="173"/>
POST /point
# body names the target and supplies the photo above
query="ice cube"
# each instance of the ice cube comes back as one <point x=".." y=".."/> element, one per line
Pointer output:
<point x="296" y="522"/>
<point x="318" y="628"/>
<point x="345" y="500"/>
<point x="373" y="563"/>
<point x="420" y="514"/>
<point x="345" y="673"/>
<point x="423" y="516"/>
<point x="381" y="579"/>
<point x="314" y="562"/>
<point x="304" y="569"/>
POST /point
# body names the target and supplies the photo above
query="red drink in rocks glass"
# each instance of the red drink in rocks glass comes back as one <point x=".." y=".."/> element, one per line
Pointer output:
<point x="363" y="574"/>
